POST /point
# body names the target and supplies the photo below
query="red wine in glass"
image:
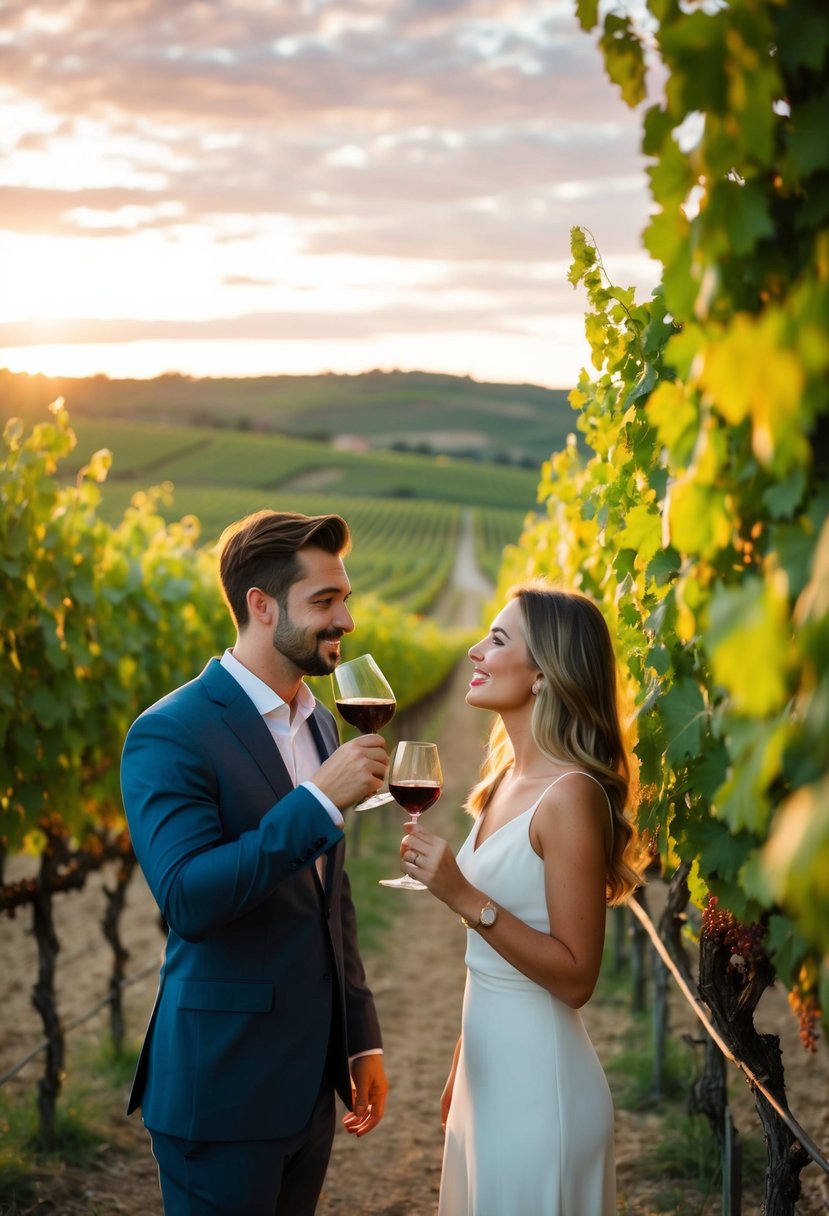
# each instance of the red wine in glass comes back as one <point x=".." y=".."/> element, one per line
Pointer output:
<point x="368" y="714"/>
<point x="415" y="781"/>
<point x="364" y="699"/>
<point x="415" y="796"/>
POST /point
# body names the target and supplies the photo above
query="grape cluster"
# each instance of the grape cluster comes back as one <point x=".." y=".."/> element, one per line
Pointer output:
<point x="807" y="1011"/>
<point x="744" y="942"/>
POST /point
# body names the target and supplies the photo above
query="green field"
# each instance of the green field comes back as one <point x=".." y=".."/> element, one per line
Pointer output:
<point x="517" y="424"/>
<point x="404" y="511"/>
<point x="271" y="470"/>
<point x="404" y="508"/>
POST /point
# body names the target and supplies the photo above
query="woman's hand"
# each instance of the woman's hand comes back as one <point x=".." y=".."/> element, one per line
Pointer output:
<point x="429" y="858"/>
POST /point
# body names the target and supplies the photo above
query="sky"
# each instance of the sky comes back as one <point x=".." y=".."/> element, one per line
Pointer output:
<point x="262" y="187"/>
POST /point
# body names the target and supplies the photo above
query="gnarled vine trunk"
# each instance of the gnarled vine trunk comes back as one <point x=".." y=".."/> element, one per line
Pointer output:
<point x="111" y="924"/>
<point x="44" y="998"/>
<point x="732" y="996"/>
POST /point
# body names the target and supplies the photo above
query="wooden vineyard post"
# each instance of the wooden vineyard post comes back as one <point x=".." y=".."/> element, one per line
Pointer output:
<point x="732" y="1163"/>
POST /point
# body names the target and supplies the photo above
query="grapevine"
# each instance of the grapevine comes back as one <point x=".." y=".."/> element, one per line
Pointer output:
<point x="699" y="519"/>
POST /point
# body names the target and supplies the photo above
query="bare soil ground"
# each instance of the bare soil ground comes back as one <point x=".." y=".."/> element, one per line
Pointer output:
<point x="418" y="976"/>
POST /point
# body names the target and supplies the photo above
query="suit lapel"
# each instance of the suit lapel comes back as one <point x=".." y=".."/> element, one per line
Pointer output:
<point x="326" y="743"/>
<point x="244" y="719"/>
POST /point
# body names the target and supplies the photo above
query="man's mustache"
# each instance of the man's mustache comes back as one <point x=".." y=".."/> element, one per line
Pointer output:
<point x="330" y="635"/>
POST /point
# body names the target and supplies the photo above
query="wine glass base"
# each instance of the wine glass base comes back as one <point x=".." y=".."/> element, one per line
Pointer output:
<point x="403" y="884"/>
<point x="368" y="804"/>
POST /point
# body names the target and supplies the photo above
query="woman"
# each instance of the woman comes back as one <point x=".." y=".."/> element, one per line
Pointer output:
<point x="526" y="1109"/>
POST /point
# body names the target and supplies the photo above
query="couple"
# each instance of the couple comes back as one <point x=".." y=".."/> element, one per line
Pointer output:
<point x="234" y="787"/>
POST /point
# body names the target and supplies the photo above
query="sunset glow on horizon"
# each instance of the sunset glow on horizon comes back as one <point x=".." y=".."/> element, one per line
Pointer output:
<point x="308" y="187"/>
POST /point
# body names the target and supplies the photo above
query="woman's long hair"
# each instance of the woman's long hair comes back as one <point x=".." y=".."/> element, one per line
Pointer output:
<point x="575" y="717"/>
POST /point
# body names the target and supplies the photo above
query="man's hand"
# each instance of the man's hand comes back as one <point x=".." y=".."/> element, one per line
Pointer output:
<point x="356" y="769"/>
<point x="369" y="1087"/>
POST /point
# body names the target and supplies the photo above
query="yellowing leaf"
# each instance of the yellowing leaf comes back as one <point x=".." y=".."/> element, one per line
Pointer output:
<point x="98" y="466"/>
<point x="749" y="645"/>
<point x="672" y="411"/>
<point x="624" y="58"/>
<point x="796" y="859"/>
<point x="748" y="373"/>
<point x="642" y="531"/>
<point x="698" y="518"/>
<point x="686" y="622"/>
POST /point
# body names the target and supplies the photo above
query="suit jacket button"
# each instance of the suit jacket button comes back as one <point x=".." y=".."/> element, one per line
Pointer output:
<point x="327" y="977"/>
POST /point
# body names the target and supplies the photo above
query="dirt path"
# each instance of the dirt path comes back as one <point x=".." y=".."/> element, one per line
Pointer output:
<point x="466" y="576"/>
<point x="418" y="977"/>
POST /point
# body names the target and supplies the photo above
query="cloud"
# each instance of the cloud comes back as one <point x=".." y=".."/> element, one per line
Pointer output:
<point x="286" y="326"/>
<point x="469" y="135"/>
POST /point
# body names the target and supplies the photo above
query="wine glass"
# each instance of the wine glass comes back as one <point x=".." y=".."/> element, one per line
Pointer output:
<point x="364" y="699"/>
<point x="415" y="781"/>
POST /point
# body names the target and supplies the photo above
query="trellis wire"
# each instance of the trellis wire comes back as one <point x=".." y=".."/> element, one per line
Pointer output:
<point x="794" y="1127"/>
<point x="79" y="1020"/>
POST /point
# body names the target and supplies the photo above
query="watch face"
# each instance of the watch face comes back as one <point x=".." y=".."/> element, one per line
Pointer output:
<point x="488" y="916"/>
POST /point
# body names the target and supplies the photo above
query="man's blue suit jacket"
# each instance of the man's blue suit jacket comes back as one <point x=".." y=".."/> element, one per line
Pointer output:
<point x="261" y="970"/>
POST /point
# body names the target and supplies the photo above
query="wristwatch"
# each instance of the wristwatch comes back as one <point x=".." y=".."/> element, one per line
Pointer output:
<point x="486" y="918"/>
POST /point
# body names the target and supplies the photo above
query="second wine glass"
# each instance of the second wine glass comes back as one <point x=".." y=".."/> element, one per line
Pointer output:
<point x="415" y="781"/>
<point x="364" y="699"/>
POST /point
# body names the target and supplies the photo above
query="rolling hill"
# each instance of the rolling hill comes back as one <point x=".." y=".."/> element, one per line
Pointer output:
<point x="403" y="411"/>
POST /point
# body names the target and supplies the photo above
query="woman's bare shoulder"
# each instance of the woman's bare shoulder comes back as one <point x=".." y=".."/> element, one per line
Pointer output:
<point x="573" y="808"/>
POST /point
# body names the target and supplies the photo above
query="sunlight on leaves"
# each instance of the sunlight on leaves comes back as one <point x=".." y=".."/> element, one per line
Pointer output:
<point x="751" y="645"/>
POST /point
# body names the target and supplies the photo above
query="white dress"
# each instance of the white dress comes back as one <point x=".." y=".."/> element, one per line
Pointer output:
<point x="530" y="1127"/>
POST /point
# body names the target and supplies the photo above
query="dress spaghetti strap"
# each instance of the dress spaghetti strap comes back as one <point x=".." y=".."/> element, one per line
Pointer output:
<point x="580" y="772"/>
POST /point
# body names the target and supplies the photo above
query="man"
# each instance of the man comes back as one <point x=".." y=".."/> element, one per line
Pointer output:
<point x="234" y="786"/>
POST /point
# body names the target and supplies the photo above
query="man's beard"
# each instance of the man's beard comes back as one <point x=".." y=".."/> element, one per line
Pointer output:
<point x="305" y="654"/>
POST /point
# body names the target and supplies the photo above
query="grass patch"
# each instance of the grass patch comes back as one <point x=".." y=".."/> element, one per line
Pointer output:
<point x="116" y="1067"/>
<point x="96" y="1084"/>
<point x="78" y="1134"/>
<point x="631" y="1073"/>
<point x="687" y="1157"/>
<point x="97" y="1075"/>
<point x="18" y="1190"/>
<point x="685" y="1151"/>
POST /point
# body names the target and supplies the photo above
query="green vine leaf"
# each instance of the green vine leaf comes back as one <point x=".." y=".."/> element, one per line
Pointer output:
<point x="684" y="715"/>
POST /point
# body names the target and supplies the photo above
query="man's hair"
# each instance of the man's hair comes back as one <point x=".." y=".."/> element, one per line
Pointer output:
<point x="261" y="551"/>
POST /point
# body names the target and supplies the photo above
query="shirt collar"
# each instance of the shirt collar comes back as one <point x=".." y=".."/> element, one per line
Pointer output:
<point x="262" y="695"/>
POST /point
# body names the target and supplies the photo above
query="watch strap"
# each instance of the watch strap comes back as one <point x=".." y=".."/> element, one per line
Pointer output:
<point x="476" y="924"/>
